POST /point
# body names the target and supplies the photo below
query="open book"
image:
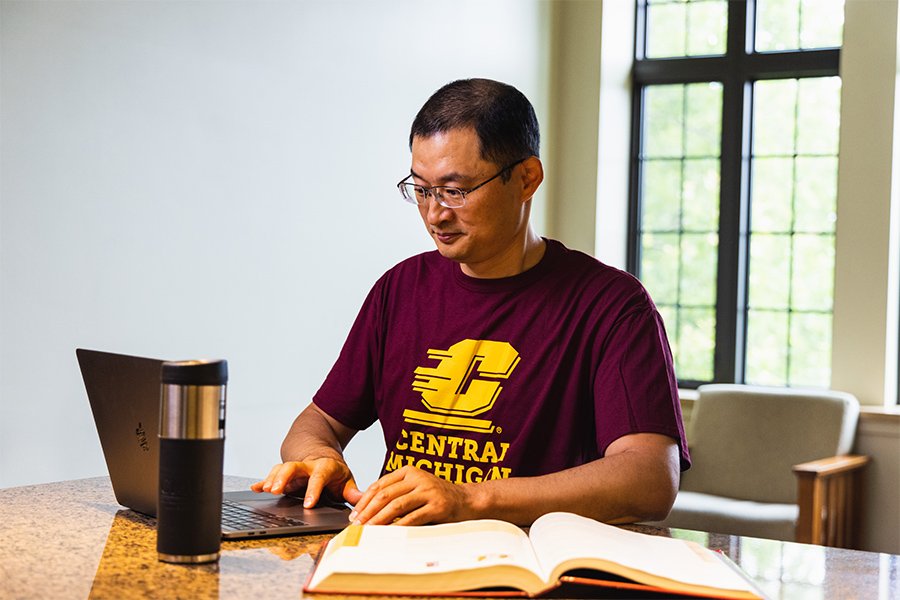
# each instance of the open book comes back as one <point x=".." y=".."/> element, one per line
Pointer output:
<point x="473" y="555"/>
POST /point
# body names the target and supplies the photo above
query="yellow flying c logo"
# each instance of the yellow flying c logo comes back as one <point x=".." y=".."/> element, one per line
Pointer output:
<point x="465" y="383"/>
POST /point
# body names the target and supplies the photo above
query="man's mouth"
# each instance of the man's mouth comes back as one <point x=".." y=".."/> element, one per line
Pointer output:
<point x="446" y="237"/>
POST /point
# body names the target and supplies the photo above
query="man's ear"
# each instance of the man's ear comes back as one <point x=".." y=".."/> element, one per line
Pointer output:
<point x="532" y="176"/>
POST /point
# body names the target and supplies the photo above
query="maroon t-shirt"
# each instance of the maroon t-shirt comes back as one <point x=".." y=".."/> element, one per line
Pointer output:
<point x="479" y="379"/>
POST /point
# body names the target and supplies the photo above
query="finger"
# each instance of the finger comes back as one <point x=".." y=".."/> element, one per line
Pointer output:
<point x="258" y="486"/>
<point x="363" y="501"/>
<point x="313" y="489"/>
<point x="266" y="484"/>
<point x="420" y="516"/>
<point x="351" y="493"/>
<point x="399" y="507"/>
<point x="289" y="473"/>
<point x="384" y="496"/>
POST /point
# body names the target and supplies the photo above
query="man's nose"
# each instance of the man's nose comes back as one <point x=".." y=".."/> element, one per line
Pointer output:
<point x="435" y="212"/>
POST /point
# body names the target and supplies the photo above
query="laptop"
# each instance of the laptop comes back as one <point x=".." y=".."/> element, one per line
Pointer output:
<point x="124" y="393"/>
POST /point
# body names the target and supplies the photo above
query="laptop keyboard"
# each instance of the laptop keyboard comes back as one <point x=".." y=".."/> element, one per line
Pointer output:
<point x="240" y="517"/>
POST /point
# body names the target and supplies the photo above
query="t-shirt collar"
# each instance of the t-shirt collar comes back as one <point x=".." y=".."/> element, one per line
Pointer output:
<point x="552" y="252"/>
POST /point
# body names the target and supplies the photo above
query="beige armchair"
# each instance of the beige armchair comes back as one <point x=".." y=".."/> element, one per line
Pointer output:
<point x="772" y="463"/>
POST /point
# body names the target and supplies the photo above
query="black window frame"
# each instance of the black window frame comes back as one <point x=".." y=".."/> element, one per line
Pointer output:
<point x="737" y="70"/>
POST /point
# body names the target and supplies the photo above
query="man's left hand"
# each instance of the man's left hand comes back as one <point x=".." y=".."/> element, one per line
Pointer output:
<point x="410" y="496"/>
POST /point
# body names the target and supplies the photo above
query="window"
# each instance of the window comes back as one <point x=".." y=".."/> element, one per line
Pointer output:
<point x="734" y="183"/>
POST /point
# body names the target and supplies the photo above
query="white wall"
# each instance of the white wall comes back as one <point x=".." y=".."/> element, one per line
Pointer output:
<point x="864" y="356"/>
<point x="575" y="78"/>
<point x="213" y="179"/>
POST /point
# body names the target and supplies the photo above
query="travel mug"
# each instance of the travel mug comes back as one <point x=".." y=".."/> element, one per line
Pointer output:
<point x="191" y="452"/>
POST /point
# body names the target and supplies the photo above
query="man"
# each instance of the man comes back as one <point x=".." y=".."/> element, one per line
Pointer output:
<point x="511" y="376"/>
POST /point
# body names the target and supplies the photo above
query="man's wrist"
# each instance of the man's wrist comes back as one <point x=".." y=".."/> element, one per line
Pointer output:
<point x="478" y="502"/>
<point x="313" y="455"/>
<point x="328" y="454"/>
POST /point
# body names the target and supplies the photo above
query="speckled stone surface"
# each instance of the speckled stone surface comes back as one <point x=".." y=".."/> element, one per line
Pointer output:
<point x="72" y="540"/>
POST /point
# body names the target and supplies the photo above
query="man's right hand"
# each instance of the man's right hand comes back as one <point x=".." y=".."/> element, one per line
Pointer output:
<point x="314" y="474"/>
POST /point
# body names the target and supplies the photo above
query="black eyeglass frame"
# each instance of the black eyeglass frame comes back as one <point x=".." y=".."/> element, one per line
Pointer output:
<point x="439" y="197"/>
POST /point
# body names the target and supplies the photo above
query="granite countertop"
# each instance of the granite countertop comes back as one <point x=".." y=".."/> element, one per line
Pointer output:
<point x="72" y="540"/>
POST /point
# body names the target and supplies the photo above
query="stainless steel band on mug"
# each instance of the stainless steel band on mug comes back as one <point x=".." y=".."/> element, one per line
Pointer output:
<point x="193" y="400"/>
<point x="192" y="412"/>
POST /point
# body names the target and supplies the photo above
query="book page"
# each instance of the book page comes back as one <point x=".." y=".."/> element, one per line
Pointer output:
<point x="419" y="550"/>
<point x="561" y="537"/>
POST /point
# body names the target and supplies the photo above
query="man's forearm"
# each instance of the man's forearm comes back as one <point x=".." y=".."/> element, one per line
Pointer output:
<point x="637" y="482"/>
<point x="315" y="435"/>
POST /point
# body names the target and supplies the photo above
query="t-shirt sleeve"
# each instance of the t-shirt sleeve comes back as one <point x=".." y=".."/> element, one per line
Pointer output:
<point x="635" y="389"/>
<point x="348" y="392"/>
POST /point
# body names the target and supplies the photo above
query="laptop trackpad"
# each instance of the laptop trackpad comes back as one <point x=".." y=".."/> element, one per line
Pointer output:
<point x="290" y="506"/>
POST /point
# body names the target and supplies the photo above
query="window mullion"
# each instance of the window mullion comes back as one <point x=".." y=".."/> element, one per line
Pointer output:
<point x="633" y="259"/>
<point x="734" y="205"/>
<point x="733" y="228"/>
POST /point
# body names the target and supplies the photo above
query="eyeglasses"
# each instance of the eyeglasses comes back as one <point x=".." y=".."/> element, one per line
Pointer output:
<point x="450" y="197"/>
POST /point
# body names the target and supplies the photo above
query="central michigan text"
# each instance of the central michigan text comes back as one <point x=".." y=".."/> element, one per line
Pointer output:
<point x="419" y="449"/>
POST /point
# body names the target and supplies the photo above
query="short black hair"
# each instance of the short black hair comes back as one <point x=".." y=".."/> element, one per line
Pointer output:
<point x="501" y="115"/>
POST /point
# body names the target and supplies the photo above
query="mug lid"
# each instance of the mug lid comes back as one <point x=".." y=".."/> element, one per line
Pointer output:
<point x="195" y="372"/>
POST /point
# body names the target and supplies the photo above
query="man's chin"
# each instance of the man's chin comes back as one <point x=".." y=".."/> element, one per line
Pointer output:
<point x="450" y="251"/>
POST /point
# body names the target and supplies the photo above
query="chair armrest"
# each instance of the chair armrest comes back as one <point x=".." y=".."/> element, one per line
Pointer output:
<point x="829" y="499"/>
<point x="825" y="467"/>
